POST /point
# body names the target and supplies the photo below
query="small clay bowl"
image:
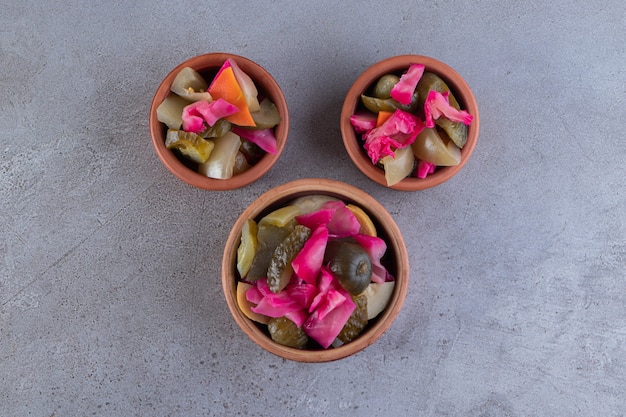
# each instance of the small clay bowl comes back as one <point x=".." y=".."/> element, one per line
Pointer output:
<point x="396" y="260"/>
<point x="397" y="65"/>
<point x="208" y="65"/>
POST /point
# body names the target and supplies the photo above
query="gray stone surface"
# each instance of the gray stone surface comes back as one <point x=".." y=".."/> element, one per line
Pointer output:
<point x="110" y="297"/>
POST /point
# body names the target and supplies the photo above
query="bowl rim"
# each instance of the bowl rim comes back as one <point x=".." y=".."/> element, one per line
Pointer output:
<point x="457" y="84"/>
<point x="348" y="193"/>
<point x="270" y="87"/>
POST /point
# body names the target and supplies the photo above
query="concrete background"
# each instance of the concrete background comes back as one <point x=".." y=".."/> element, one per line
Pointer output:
<point x="110" y="297"/>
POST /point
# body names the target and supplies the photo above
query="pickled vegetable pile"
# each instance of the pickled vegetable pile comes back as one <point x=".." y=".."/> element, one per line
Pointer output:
<point x="411" y="124"/>
<point x="221" y="129"/>
<point x="312" y="271"/>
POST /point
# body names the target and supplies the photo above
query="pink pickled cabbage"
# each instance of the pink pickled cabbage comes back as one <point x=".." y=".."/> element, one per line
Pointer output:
<point x="438" y="104"/>
<point x="398" y="131"/>
<point x="363" y="121"/>
<point x="315" y="219"/>
<point x="337" y="218"/>
<point x="375" y="248"/>
<point x="308" y="261"/>
<point x="332" y="312"/>
<point x="273" y="304"/>
<point x="303" y="293"/>
<point x="424" y="168"/>
<point x="264" y="138"/>
<point x="343" y="223"/>
<point x="197" y="113"/>
<point x="403" y="91"/>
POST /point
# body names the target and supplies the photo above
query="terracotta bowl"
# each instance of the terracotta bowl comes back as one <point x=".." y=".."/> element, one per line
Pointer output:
<point x="208" y="65"/>
<point x="399" y="64"/>
<point x="396" y="261"/>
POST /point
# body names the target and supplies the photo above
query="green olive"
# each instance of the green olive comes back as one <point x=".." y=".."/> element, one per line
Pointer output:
<point x="383" y="86"/>
<point x="350" y="264"/>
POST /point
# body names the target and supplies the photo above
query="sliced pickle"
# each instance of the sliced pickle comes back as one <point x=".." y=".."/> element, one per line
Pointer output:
<point x="247" y="247"/>
<point x="399" y="166"/>
<point x="221" y="162"/>
<point x="219" y="129"/>
<point x="267" y="116"/>
<point x="435" y="147"/>
<point x="280" y="270"/>
<point x="375" y="105"/>
<point x="281" y="217"/>
<point x="356" y="322"/>
<point x="190" y="85"/>
<point x="284" y="331"/>
<point x="269" y="236"/>
<point x="189" y="144"/>
<point x="170" y="111"/>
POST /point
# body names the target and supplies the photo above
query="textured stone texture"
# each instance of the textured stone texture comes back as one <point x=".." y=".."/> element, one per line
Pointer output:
<point x="110" y="297"/>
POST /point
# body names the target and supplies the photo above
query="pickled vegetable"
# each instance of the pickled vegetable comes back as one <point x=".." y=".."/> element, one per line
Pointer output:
<point x="435" y="147"/>
<point x="190" y="85"/>
<point x="378" y="296"/>
<point x="357" y="321"/>
<point x="455" y="130"/>
<point x="189" y="144"/>
<point x="284" y="331"/>
<point x="280" y="270"/>
<point x="267" y="116"/>
<point x="219" y="129"/>
<point x="399" y="166"/>
<point x="367" y="225"/>
<point x="281" y="217"/>
<point x="383" y="86"/>
<point x="247" y="247"/>
<point x="221" y="162"/>
<point x="170" y="111"/>
<point x="269" y="236"/>
<point x="246" y="306"/>
<point x="311" y="203"/>
<point x="375" y="105"/>
<point x="241" y="164"/>
<point x="350" y="264"/>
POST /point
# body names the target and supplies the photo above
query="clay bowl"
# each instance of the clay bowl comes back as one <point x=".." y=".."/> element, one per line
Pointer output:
<point x="396" y="261"/>
<point x="208" y="65"/>
<point x="397" y="65"/>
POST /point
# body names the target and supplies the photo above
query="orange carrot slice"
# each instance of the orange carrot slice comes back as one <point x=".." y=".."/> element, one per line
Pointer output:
<point x="382" y="117"/>
<point x="225" y="86"/>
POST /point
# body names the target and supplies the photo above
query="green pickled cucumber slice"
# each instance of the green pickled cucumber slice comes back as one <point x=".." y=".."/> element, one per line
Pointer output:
<point x="267" y="116"/>
<point x="189" y="144"/>
<point x="376" y="105"/>
<point x="356" y="322"/>
<point x="284" y="331"/>
<point x="280" y="270"/>
<point x="269" y="236"/>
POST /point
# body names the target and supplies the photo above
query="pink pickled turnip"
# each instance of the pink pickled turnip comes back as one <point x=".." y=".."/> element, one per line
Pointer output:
<point x="438" y="104"/>
<point x="403" y="91"/>
<point x="308" y="261"/>
<point x="424" y="168"/>
<point x="264" y="138"/>
<point x="363" y="121"/>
